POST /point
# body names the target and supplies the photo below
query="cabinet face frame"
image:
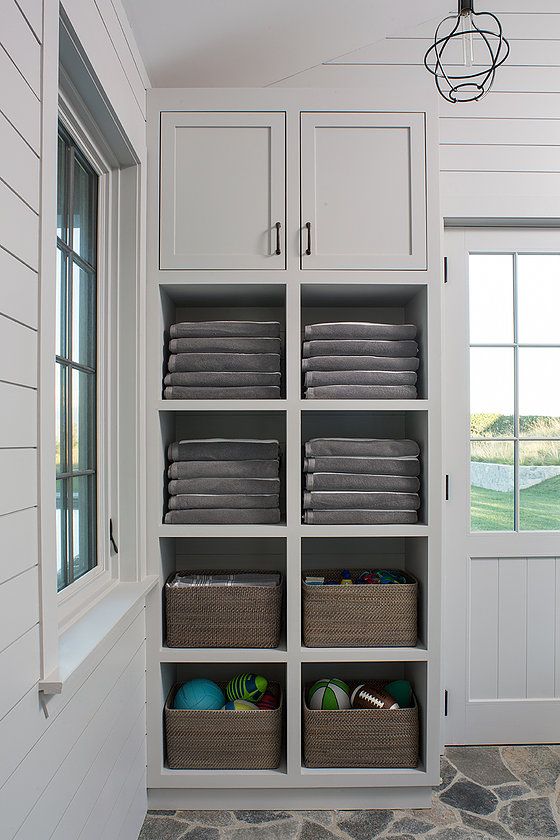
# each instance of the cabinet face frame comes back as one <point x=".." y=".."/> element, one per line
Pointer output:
<point x="264" y="255"/>
<point x="414" y="123"/>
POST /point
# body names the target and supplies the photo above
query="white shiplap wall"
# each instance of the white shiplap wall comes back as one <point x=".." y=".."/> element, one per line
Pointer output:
<point x="80" y="773"/>
<point x="499" y="157"/>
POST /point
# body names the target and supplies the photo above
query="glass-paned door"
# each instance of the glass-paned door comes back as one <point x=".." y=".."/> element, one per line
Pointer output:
<point x="501" y="522"/>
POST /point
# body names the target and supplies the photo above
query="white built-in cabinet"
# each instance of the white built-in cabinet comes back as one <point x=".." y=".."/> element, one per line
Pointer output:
<point x="223" y="190"/>
<point x="362" y="190"/>
<point x="297" y="206"/>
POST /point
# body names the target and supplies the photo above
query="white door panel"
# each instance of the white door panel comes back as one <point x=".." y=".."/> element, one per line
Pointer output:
<point x="222" y="190"/>
<point x="363" y="191"/>
<point x="502" y="587"/>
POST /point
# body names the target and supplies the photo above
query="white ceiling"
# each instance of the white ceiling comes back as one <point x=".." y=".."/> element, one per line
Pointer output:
<point x="240" y="43"/>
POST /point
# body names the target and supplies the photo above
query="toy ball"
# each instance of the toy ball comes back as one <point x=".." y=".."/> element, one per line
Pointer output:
<point x="246" y="687"/>
<point x="268" y="701"/>
<point x="329" y="694"/>
<point x="239" y="705"/>
<point x="370" y="696"/>
<point x="199" y="694"/>
<point x="368" y="577"/>
<point x="401" y="691"/>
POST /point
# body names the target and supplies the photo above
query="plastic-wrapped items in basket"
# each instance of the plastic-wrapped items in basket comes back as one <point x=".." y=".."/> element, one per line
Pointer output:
<point x="247" y="614"/>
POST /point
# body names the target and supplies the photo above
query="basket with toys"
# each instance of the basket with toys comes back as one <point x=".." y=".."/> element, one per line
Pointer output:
<point x="224" y="726"/>
<point x="374" y="608"/>
<point x="370" y="723"/>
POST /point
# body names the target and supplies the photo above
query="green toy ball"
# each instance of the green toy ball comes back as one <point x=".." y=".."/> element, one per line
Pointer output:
<point x="329" y="694"/>
<point x="239" y="706"/>
<point x="401" y="691"/>
<point x="246" y="687"/>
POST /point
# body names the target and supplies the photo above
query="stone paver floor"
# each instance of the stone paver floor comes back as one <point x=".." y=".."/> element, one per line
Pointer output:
<point x="499" y="792"/>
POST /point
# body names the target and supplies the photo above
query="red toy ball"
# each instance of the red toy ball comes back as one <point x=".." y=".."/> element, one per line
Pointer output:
<point x="268" y="701"/>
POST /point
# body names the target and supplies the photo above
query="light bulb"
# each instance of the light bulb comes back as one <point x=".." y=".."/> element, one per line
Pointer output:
<point x="467" y="39"/>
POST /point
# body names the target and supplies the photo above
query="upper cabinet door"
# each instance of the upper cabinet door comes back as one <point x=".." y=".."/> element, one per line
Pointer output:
<point x="363" y="198"/>
<point x="223" y="202"/>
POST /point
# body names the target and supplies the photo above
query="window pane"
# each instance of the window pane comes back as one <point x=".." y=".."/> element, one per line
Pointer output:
<point x="83" y="317"/>
<point x="491" y="298"/>
<point x="539" y="486"/>
<point x="60" y="421"/>
<point x="83" y="524"/>
<point x="492" y="486"/>
<point x="61" y="534"/>
<point x="492" y="390"/>
<point x="61" y="207"/>
<point x="61" y="303"/>
<point x="538" y="295"/>
<point x="84" y="204"/>
<point x="539" y="392"/>
<point x="83" y="421"/>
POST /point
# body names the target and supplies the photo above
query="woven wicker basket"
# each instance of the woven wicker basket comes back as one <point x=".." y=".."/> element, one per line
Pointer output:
<point x="359" y="616"/>
<point x="222" y="616"/>
<point x="360" y="737"/>
<point x="223" y="740"/>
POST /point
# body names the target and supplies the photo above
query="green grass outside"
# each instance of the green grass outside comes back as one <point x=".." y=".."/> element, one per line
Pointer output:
<point x="539" y="508"/>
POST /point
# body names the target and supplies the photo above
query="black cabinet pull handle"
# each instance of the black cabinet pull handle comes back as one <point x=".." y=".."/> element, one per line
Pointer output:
<point x="278" y="249"/>
<point x="308" y="249"/>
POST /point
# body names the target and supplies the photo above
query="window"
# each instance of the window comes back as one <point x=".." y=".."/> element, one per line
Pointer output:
<point x="515" y="391"/>
<point x="76" y="364"/>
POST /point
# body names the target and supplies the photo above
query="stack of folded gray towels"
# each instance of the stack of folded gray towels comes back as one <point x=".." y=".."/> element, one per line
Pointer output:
<point x="224" y="360"/>
<point x="361" y="481"/>
<point x="354" y="361"/>
<point x="223" y="481"/>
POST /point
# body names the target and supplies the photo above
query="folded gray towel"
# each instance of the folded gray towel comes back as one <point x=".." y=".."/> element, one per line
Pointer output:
<point x="370" y="447"/>
<point x="361" y="392"/>
<point x="222" y="449"/>
<point x="335" y="362"/>
<point x="360" y="517"/>
<point x="195" y="501"/>
<point x="237" y="379"/>
<point x="223" y="329"/>
<point x="223" y="469"/>
<point x="224" y="345"/>
<point x="251" y="392"/>
<point x="406" y="466"/>
<point x="347" y="347"/>
<point x="253" y="486"/>
<point x="363" y="500"/>
<point x="314" y="378"/>
<point x="241" y="516"/>
<point x="360" y="329"/>
<point x="349" y="481"/>
<point x="224" y="362"/>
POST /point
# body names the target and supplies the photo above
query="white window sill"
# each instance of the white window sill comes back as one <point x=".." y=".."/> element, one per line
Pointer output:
<point x="80" y="640"/>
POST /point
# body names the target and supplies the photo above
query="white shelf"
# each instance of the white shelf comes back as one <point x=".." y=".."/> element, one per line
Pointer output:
<point x="180" y="655"/>
<point x="179" y="531"/>
<point x="221" y="405"/>
<point x="364" y="530"/>
<point x="365" y="654"/>
<point x="364" y="405"/>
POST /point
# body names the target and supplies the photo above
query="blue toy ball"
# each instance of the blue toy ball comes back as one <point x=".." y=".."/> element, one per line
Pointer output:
<point x="199" y="694"/>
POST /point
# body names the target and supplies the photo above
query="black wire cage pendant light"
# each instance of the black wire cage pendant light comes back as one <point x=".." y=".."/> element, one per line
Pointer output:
<point x="467" y="50"/>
